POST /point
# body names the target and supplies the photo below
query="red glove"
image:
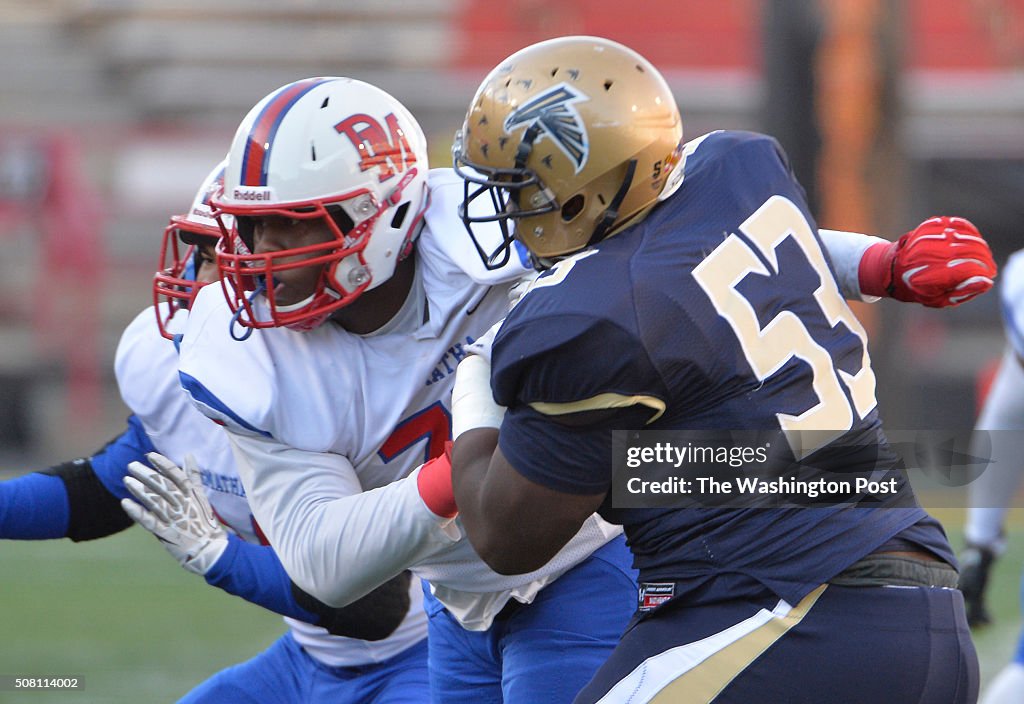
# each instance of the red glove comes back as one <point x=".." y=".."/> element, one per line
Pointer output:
<point x="942" y="262"/>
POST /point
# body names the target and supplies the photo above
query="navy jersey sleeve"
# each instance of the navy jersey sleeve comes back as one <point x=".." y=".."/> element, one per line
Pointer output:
<point x="567" y="381"/>
<point x="570" y="362"/>
<point x="567" y="458"/>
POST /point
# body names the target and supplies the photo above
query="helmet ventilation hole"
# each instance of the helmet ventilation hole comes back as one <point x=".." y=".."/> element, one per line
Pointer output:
<point x="324" y="104"/>
<point x="608" y="84"/>
<point x="312" y="151"/>
<point x="396" y="221"/>
<point x="572" y="207"/>
<point x="554" y="71"/>
<point x="341" y="219"/>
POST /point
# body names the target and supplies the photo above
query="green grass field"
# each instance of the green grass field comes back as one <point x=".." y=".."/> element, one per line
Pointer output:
<point x="121" y="614"/>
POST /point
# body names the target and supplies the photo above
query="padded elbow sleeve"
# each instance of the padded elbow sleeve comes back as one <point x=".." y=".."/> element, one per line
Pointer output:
<point x="373" y="617"/>
<point x="94" y="511"/>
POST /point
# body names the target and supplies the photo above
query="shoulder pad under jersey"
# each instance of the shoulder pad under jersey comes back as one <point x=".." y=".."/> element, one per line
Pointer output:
<point x="445" y="232"/>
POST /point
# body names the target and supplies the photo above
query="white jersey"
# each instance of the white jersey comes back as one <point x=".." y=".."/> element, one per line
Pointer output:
<point x="146" y="368"/>
<point x="1004" y="405"/>
<point x="1011" y="295"/>
<point x="325" y="422"/>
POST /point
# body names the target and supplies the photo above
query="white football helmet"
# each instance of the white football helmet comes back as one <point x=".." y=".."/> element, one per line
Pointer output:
<point x="331" y="148"/>
<point x="174" y="283"/>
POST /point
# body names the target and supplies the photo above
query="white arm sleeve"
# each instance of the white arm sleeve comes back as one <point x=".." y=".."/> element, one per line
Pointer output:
<point x="336" y="541"/>
<point x="845" y="249"/>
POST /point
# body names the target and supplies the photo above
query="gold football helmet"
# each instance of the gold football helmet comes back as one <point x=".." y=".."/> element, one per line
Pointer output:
<point x="570" y="138"/>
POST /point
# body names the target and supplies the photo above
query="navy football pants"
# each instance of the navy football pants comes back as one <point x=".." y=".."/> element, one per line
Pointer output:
<point x="841" y="645"/>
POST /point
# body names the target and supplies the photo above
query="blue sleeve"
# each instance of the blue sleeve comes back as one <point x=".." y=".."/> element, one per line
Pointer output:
<point x="41" y="506"/>
<point x="33" y="507"/>
<point x="37" y="506"/>
<point x="254" y="573"/>
<point x="111" y="463"/>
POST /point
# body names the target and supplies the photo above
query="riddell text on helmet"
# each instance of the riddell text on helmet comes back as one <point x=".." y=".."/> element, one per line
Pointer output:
<point x="239" y="194"/>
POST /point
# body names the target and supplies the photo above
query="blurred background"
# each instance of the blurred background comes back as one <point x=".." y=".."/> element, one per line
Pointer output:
<point x="112" y="111"/>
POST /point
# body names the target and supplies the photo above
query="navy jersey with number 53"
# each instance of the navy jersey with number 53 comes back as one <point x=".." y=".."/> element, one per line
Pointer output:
<point x="719" y="311"/>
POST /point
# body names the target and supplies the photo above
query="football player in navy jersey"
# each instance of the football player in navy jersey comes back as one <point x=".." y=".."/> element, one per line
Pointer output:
<point x="686" y="289"/>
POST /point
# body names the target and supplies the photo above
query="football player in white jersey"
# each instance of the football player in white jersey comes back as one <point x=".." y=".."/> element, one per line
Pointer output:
<point x="330" y="364"/>
<point x="351" y="294"/>
<point x="372" y="651"/>
<point x="998" y="436"/>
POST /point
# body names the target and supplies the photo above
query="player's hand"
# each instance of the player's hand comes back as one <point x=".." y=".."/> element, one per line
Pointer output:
<point x="522" y="286"/>
<point x="942" y="262"/>
<point x="173" y="507"/>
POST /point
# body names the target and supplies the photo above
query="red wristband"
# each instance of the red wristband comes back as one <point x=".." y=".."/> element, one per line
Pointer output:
<point x="434" y="483"/>
<point x="875" y="271"/>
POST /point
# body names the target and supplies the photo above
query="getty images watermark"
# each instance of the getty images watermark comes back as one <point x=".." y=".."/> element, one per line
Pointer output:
<point x="766" y="469"/>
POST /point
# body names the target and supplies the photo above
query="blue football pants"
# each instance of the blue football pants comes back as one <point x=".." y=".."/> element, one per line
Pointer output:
<point x="285" y="674"/>
<point x="538" y="653"/>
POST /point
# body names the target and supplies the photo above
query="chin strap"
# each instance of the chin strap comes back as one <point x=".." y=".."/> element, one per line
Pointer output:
<point x="238" y="313"/>
<point x="611" y="213"/>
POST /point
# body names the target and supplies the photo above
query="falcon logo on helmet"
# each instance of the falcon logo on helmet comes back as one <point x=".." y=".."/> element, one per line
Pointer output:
<point x="554" y="111"/>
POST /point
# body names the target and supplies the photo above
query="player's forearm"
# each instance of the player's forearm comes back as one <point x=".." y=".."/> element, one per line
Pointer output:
<point x="340" y="550"/>
<point x="65" y="501"/>
<point x="77" y="499"/>
<point x="254" y="573"/>
<point x="515" y="525"/>
<point x="471" y="458"/>
<point x="336" y="542"/>
<point x="846" y="249"/>
<point x="373" y="617"/>
<point x="33" y="507"/>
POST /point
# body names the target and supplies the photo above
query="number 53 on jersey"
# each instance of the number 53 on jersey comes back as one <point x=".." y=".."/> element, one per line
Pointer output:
<point x="770" y="346"/>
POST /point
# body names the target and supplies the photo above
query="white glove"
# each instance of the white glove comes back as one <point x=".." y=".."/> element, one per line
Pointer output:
<point x="173" y="507"/>
<point x="522" y="286"/>
<point x="482" y="345"/>
<point x="473" y="404"/>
